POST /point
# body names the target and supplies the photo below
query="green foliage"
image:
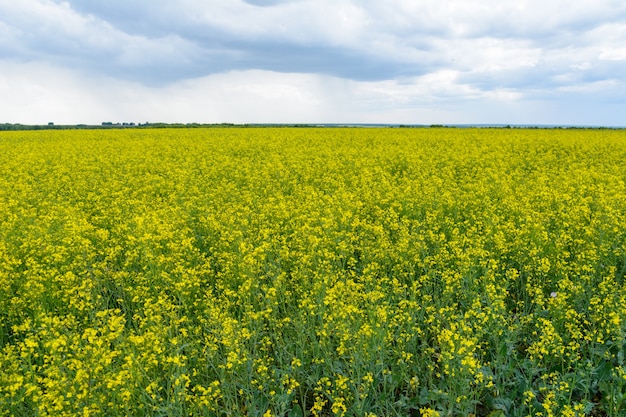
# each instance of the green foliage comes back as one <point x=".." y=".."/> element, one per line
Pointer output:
<point x="298" y="272"/>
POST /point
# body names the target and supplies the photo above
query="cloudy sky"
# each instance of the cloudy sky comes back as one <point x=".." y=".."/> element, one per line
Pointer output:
<point x="313" y="61"/>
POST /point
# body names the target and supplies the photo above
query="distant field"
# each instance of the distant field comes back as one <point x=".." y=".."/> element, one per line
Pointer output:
<point x="301" y="271"/>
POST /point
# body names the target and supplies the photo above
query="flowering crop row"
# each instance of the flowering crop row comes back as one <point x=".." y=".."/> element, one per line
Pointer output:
<point x="297" y="272"/>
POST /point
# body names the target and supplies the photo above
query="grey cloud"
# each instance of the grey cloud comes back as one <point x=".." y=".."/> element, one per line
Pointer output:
<point x="110" y="39"/>
<point x="169" y="40"/>
<point x="393" y="52"/>
<point x="382" y="50"/>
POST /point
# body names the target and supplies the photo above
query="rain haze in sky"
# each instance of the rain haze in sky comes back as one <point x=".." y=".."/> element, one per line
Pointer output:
<point x="314" y="61"/>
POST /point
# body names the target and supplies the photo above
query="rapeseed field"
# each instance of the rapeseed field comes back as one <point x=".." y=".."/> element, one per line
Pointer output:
<point x="313" y="272"/>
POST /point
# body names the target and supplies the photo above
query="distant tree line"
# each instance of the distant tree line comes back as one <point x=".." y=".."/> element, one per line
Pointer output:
<point x="109" y="125"/>
<point x="112" y="125"/>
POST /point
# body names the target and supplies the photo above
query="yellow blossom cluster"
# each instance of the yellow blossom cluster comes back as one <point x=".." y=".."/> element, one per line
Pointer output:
<point x="313" y="272"/>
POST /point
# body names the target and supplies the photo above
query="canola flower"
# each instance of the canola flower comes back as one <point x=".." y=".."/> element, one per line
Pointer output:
<point x="313" y="272"/>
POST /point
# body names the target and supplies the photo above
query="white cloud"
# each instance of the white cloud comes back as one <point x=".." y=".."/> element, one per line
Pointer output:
<point x="42" y="93"/>
<point x="359" y="40"/>
<point x="39" y="92"/>
<point x="54" y="32"/>
<point x="309" y="60"/>
<point x="613" y="54"/>
<point x="56" y="23"/>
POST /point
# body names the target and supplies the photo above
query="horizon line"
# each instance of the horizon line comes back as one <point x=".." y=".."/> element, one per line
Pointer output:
<point x="130" y="125"/>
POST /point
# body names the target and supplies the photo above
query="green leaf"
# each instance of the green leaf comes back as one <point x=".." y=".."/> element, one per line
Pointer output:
<point x="296" y="411"/>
